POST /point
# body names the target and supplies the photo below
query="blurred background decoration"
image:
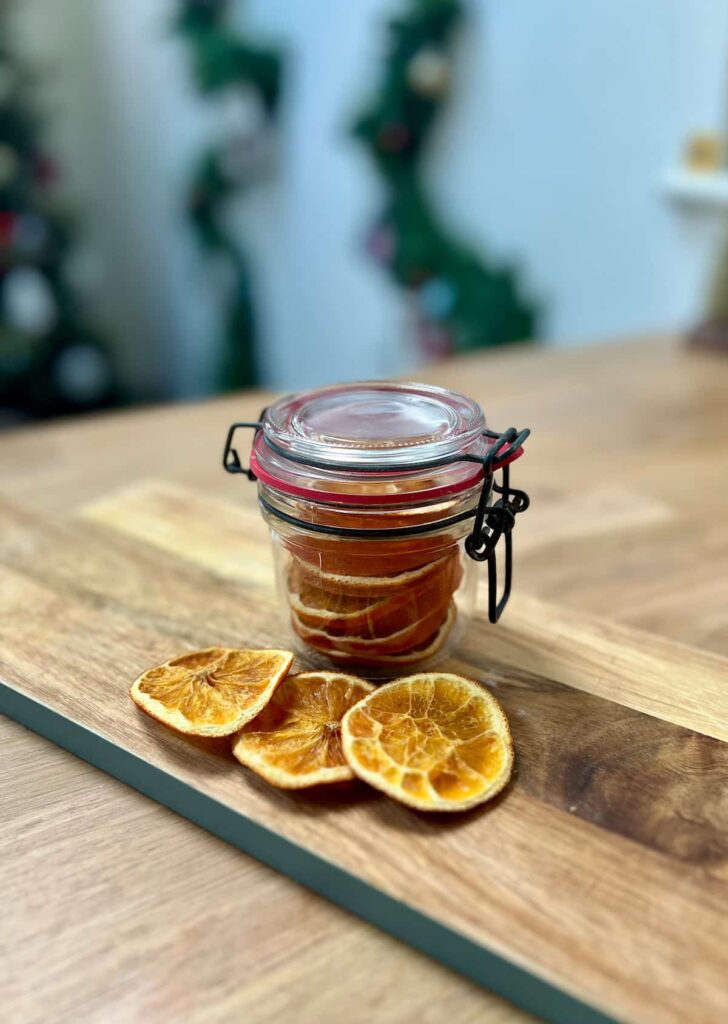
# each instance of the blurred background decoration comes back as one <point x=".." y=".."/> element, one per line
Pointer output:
<point x="554" y="171"/>
<point x="250" y="77"/>
<point x="705" y="162"/>
<point x="52" y="361"/>
<point x="459" y="302"/>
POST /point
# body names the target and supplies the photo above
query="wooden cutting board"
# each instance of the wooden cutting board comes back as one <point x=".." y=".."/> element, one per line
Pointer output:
<point x="589" y="886"/>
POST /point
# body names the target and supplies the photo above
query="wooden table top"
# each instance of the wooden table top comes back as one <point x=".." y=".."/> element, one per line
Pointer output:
<point x="628" y="472"/>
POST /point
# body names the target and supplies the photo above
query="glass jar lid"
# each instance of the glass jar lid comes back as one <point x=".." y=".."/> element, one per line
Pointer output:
<point x="397" y="426"/>
<point x="372" y="443"/>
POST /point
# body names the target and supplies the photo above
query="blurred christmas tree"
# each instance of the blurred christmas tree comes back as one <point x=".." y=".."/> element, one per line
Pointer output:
<point x="226" y="64"/>
<point x="461" y="302"/>
<point x="51" y="361"/>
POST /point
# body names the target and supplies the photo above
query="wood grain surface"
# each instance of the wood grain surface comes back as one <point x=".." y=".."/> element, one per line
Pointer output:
<point x="210" y="937"/>
<point x="628" y="471"/>
<point x="581" y="749"/>
<point x="608" y="801"/>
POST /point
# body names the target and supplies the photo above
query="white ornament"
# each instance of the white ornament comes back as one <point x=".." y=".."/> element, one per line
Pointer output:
<point x="82" y="373"/>
<point x="241" y="112"/>
<point x="28" y="304"/>
<point x="9" y="163"/>
<point x="429" y="72"/>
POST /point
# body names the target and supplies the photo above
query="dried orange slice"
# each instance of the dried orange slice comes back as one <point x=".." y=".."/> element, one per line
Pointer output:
<point x="362" y="558"/>
<point x="318" y="607"/>
<point x="295" y="741"/>
<point x="422" y="652"/>
<point x="403" y="640"/>
<point x="376" y="586"/>
<point x="212" y="692"/>
<point x="434" y="741"/>
<point x="357" y="555"/>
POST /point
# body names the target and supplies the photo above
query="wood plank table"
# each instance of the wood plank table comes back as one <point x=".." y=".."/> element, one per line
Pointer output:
<point x="621" y="604"/>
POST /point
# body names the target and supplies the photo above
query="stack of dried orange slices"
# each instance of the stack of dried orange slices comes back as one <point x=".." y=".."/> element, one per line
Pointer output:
<point x="398" y="610"/>
<point x="434" y="741"/>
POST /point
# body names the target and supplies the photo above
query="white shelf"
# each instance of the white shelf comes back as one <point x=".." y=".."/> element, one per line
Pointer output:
<point x="692" y="188"/>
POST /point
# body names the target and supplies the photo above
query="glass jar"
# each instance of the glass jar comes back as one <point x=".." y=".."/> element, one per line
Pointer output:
<point x="377" y="496"/>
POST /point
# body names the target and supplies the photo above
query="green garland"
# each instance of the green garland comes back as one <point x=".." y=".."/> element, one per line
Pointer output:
<point x="223" y="61"/>
<point x="462" y="302"/>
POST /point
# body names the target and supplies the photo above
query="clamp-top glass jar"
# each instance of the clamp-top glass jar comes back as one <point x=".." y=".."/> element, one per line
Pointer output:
<point x="378" y="498"/>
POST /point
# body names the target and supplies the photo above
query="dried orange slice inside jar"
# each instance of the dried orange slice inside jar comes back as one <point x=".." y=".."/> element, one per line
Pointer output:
<point x="381" y="499"/>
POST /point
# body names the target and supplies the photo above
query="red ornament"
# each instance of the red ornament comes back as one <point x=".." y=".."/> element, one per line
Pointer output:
<point x="416" y="276"/>
<point x="435" y="342"/>
<point x="7" y="228"/>
<point x="394" y="137"/>
<point x="45" y="169"/>
<point x="381" y="244"/>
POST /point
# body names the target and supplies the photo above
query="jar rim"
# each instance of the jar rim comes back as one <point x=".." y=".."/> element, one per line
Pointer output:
<point x="376" y="443"/>
<point x="316" y="489"/>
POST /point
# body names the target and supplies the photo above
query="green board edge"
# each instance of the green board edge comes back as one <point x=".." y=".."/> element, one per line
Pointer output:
<point x="486" y="968"/>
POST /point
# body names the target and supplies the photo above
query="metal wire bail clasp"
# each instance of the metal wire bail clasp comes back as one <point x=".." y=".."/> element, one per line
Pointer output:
<point x="494" y="521"/>
<point x="230" y="458"/>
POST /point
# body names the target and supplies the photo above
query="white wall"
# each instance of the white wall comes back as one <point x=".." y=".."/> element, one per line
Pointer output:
<point x="565" y="115"/>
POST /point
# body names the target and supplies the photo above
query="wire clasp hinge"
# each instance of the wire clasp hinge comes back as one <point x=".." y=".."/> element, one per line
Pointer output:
<point x="230" y="458"/>
<point x="495" y="521"/>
